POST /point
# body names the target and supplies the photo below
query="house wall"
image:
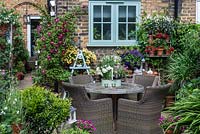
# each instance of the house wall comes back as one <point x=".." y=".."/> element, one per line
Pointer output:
<point x="22" y="7"/>
<point x="186" y="12"/>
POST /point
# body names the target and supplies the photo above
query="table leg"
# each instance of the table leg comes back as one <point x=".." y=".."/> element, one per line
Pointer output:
<point x="114" y="102"/>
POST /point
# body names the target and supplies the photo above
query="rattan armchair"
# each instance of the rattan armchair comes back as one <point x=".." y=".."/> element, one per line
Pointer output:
<point x="144" y="80"/>
<point x="98" y="111"/>
<point x="142" y="117"/>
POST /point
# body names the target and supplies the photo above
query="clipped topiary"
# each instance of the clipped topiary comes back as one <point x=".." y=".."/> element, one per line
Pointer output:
<point x="44" y="111"/>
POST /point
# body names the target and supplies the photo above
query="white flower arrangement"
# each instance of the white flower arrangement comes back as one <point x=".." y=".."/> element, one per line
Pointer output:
<point x="106" y="66"/>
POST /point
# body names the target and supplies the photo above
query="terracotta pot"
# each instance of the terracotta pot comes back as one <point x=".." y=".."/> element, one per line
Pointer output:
<point x="16" y="128"/>
<point x="167" y="52"/>
<point x="169" y="132"/>
<point x="4" y="28"/>
<point x="169" y="100"/>
<point x="151" y="53"/>
<point x="160" y="51"/>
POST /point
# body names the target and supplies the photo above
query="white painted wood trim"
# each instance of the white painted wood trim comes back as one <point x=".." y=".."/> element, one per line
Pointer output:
<point x="198" y="11"/>
<point x="29" y="34"/>
<point x="29" y="39"/>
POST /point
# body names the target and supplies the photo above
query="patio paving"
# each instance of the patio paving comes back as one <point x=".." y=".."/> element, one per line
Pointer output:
<point x="26" y="82"/>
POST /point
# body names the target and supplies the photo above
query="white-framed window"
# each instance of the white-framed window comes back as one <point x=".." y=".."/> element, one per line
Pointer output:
<point x="198" y="11"/>
<point x="113" y="23"/>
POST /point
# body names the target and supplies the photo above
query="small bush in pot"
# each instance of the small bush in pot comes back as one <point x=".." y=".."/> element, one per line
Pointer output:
<point x="44" y="110"/>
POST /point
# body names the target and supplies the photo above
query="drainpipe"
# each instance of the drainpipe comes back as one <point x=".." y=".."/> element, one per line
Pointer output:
<point x="176" y="3"/>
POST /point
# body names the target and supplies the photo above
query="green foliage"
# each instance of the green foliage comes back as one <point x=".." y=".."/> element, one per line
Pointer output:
<point x="184" y="66"/>
<point x="4" y="53"/>
<point x="7" y="16"/>
<point x="11" y="112"/>
<point x="75" y="130"/>
<point x="44" y="111"/>
<point x="54" y="36"/>
<point x="188" y="88"/>
<point x="188" y="109"/>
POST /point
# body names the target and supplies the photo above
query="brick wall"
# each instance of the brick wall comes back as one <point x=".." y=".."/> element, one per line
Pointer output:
<point x="188" y="12"/>
<point x="21" y="6"/>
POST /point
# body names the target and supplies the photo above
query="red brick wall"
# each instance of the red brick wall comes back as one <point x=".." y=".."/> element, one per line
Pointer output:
<point x="21" y="7"/>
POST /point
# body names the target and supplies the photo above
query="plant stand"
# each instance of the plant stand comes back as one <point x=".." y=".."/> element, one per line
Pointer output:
<point x="77" y="66"/>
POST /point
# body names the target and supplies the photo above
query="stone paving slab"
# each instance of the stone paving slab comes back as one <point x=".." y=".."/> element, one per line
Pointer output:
<point x="26" y="82"/>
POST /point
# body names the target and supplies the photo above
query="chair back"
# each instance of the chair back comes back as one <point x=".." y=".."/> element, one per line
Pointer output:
<point x="76" y="92"/>
<point x="81" y="79"/>
<point x="155" y="95"/>
<point x="146" y="80"/>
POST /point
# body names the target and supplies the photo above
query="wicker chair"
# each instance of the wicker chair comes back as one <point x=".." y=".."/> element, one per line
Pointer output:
<point x="98" y="111"/>
<point x="144" y="80"/>
<point x="142" y="117"/>
<point x="85" y="79"/>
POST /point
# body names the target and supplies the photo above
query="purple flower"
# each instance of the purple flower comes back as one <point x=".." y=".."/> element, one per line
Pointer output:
<point x="57" y="20"/>
<point x="39" y="28"/>
<point x="49" y="33"/>
<point x="52" y="51"/>
<point x="49" y="57"/>
<point x="3" y="72"/>
<point x="43" y="39"/>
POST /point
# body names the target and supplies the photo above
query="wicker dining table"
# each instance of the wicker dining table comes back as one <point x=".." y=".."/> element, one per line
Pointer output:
<point x="115" y="92"/>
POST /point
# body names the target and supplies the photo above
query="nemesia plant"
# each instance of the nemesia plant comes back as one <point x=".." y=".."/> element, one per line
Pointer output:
<point x="71" y="53"/>
<point x="86" y="125"/>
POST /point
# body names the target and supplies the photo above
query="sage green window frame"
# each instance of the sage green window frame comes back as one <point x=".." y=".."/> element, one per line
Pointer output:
<point x="115" y="5"/>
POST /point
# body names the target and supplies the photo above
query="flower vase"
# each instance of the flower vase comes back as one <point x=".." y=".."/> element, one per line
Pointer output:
<point x="111" y="83"/>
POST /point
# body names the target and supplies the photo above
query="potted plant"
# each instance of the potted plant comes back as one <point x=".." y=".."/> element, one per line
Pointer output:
<point x="106" y="68"/>
<point x="132" y="59"/>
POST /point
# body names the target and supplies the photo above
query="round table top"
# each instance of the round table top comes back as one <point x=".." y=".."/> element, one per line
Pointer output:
<point x="125" y="88"/>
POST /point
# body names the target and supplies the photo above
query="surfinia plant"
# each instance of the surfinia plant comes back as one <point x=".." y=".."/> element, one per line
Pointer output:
<point x="132" y="58"/>
<point x="86" y="125"/>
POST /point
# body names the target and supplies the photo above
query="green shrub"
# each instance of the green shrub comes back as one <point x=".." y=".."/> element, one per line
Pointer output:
<point x="184" y="66"/>
<point x="44" y="110"/>
<point x="188" y="111"/>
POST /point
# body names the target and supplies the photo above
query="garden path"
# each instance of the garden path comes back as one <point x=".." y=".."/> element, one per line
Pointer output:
<point x="26" y="82"/>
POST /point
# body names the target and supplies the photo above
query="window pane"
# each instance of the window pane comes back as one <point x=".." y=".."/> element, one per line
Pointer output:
<point x="97" y="13"/>
<point x="107" y="14"/>
<point x="122" y="13"/>
<point x="122" y="32"/>
<point x="132" y="14"/>
<point x="131" y="31"/>
<point x="97" y="32"/>
<point x="106" y="31"/>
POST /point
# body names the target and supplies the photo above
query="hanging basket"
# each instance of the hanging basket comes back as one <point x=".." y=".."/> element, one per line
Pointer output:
<point x="3" y="29"/>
